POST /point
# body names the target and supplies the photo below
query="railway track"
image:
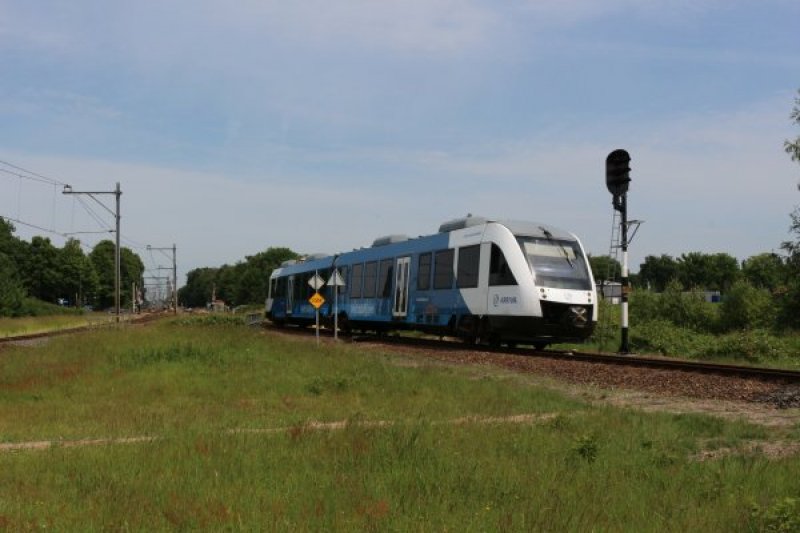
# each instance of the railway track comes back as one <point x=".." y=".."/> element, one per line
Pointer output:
<point x="744" y="371"/>
<point x="766" y="374"/>
<point x="149" y="317"/>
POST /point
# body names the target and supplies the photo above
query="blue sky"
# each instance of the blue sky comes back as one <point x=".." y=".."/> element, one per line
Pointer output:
<point x="320" y="125"/>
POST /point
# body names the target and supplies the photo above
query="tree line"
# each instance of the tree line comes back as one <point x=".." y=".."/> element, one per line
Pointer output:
<point x="243" y="283"/>
<point x="37" y="272"/>
<point x="698" y="271"/>
<point x="768" y="282"/>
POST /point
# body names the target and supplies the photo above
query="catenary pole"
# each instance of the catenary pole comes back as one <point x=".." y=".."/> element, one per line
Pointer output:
<point x="117" y="258"/>
<point x="174" y="292"/>
<point x="117" y="192"/>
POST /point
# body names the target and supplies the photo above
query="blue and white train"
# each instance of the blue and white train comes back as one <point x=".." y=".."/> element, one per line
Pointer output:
<point x="483" y="280"/>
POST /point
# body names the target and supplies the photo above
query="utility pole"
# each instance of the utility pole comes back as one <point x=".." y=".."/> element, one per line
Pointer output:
<point x="174" y="293"/>
<point x="117" y="263"/>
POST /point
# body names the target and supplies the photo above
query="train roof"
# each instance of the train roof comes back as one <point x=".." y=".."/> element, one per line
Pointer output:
<point x="535" y="229"/>
<point x="517" y="227"/>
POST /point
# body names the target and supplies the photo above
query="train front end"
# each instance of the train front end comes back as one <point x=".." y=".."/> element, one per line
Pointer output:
<point x="557" y="296"/>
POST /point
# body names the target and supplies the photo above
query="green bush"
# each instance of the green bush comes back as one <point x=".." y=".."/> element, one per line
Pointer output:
<point x="747" y="307"/>
<point x="788" y="303"/>
<point x="34" y="307"/>
<point x="687" y="310"/>
<point x="753" y="345"/>
<point x="660" y="336"/>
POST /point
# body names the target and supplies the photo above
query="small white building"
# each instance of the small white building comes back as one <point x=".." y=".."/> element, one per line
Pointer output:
<point x="610" y="291"/>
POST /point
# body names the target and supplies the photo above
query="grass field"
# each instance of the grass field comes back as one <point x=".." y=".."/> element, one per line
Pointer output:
<point x="238" y="429"/>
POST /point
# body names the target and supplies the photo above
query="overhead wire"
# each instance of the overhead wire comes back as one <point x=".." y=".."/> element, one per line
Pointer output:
<point x="22" y="173"/>
<point x="29" y="177"/>
<point x="31" y="173"/>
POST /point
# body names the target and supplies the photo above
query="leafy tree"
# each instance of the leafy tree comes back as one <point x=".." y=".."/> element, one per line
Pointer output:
<point x="765" y="271"/>
<point x="605" y="268"/>
<point x="793" y="147"/>
<point x="790" y="302"/>
<point x="657" y="272"/>
<point x="197" y="290"/>
<point x="792" y="248"/>
<point x="13" y="247"/>
<point x="697" y="270"/>
<point x="40" y="270"/>
<point x="12" y="292"/>
<point x="131" y="270"/>
<point x="102" y="258"/>
<point x="246" y="282"/>
<point x="78" y="278"/>
<point x="253" y="283"/>
<point x="227" y="283"/>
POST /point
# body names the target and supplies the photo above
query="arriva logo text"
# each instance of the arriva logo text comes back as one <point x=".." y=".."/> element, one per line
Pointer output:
<point x="504" y="300"/>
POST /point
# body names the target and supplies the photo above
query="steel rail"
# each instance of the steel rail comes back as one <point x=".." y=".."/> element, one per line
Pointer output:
<point x="751" y="372"/>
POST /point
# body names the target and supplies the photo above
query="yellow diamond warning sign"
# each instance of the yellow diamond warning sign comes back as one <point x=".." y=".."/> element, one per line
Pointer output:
<point x="317" y="300"/>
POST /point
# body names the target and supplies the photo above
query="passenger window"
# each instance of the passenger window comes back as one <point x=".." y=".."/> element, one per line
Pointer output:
<point x="469" y="259"/>
<point x="385" y="278"/>
<point x="424" y="272"/>
<point x="355" y="283"/>
<point x="370" y="279"/>
<point x="499" y="271"/>
<point x="443" y="270"/>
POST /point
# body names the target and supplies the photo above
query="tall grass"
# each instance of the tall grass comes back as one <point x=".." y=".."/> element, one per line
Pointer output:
<point x="232" y="410"/>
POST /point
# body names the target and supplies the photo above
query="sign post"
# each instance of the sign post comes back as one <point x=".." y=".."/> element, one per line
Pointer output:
<point x="336" y="281"/>
<point x="317" y="299"/>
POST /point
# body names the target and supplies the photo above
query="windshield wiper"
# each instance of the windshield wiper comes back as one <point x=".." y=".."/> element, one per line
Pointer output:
<point x="560" y="245"/>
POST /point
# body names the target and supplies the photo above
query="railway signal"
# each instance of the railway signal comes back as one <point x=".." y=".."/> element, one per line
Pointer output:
<point x="618" y="172"/>
<point x="617" y="180"/>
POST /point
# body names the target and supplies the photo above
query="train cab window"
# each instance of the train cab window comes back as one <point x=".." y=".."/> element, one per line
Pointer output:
<point x="280" y="288"/>
<point x="424" y="272"/>
<point x="385" y="278"/>
<point x="469" y="259"/>
<point x="443" y="269"/>
<point x="499" y="271"/>
<point x="355" y="282"/>
<point x="370" y="279"/>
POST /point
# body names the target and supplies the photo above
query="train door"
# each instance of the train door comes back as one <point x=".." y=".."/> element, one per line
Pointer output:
<point x="402" y="269"/>
<point x="290" y="295"/>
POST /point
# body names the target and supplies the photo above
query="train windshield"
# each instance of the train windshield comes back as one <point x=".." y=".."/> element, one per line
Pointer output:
<point x="556" y="263"/>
